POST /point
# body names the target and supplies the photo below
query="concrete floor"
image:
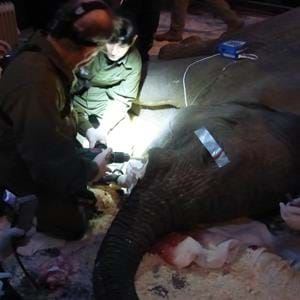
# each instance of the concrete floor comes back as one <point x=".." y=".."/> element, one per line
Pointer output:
<point x="206" y="26"/>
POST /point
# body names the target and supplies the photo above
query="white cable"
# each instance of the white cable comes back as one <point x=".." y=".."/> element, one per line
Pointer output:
<point x="241" y="56"/>
<point x="187" y="69"/>
<point x="248" y="56"/>
<point x="214" y="80"/>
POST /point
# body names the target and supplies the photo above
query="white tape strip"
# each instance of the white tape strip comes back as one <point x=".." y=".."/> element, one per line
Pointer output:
<point x="208" y="141"/>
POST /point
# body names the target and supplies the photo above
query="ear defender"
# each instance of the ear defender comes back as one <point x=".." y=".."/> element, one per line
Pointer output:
<point x="63" y="24"/>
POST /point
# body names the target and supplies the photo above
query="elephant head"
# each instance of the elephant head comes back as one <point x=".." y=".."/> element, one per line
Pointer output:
<point x="272" y="79"/>
<point x="183" y="184"/>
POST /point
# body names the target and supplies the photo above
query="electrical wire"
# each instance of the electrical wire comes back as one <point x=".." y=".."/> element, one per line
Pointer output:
<point x="213" y="81"/>
<point x="250" y="56"/>
<point x="186" y="71"/>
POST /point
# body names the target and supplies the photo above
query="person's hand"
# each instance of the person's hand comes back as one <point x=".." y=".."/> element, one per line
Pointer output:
<point x="290" y="213"/>
<point x="95" y="135"/>
<point x="102" y="159"/>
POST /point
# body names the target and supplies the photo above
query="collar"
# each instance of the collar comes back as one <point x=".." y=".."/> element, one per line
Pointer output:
<point x="123" y="61"/>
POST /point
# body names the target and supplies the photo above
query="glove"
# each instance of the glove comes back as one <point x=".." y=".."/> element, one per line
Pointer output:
<point x="102" y="159"/>
<point x="135" y="170"/>
<point x="290" y="213"/>
<point x="95" y="135"/>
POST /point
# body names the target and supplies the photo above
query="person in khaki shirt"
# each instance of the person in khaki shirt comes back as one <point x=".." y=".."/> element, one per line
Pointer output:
<point x="37" y="125"/>
<point x="113" y="80"/>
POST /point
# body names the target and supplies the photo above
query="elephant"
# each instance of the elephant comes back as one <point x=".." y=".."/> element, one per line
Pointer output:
<point x="273" y="79"/>
<point x="184" y="184"/>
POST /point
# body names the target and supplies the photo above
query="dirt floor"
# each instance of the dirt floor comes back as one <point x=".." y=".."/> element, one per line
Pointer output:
<point x="64" y="270"/>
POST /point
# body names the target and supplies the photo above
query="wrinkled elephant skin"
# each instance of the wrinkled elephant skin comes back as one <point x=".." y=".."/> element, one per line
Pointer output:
<point x="273" y="79"/>
<point x="184" y="186"/>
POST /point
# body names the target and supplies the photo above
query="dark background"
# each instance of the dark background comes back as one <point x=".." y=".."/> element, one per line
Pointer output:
<point x="36" y="13"/>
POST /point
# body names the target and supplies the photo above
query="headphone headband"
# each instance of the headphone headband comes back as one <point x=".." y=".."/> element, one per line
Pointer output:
<point x="63" y="25"/>
<point x="86" y="7"/>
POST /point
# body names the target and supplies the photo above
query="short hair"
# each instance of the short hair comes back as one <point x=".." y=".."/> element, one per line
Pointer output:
<point x="124" y="32"/>
<point x="62" y="25"/>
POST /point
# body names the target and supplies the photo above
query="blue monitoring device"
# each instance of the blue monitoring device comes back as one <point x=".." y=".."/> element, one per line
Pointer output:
<point x="232" y="48"/>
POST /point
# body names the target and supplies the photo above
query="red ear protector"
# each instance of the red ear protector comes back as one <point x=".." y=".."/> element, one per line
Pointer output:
<point x="63" y="23"/>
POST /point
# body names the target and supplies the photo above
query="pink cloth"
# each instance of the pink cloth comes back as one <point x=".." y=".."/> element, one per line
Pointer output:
<point x="212" y="247"/>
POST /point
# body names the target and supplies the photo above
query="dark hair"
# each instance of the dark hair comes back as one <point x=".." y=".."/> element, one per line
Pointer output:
<point x="62" y="25"/>
<point x="124" y="32"/>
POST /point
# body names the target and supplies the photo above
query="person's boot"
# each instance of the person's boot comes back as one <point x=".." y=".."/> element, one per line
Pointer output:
<point x="170" y="36"/>
<point x="231" y="28"/>
<point x="230" y="18"/>
<point x="178" y="16"/>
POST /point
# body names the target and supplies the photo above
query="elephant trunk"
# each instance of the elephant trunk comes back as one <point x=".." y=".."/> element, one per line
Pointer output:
<point x="134" y="230"/>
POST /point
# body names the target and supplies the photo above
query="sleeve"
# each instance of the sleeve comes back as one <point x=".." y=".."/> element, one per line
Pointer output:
<point x="83" y="124"/>
<point x="121" y="98"/>
<point x="48" y="151"/>
<point x="80" y="86"/>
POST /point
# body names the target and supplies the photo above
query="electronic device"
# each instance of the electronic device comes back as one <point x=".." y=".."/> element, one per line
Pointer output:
<point x="232" y="48"/>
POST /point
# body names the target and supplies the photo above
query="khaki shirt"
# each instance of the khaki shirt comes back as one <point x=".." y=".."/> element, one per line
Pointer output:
<point x="37" y="126"/>
<point x="114" y="85"/>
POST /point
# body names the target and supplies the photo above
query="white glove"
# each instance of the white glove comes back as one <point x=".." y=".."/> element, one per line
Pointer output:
<point x="95" y="135"/>
<point x="126" y="180"/>
<point x="102" y="159"/>
<point x="290" y="213"/>
<point x="135" y="170"/>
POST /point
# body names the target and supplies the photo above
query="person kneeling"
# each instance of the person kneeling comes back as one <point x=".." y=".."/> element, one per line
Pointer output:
<point x="106" y="88"/>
